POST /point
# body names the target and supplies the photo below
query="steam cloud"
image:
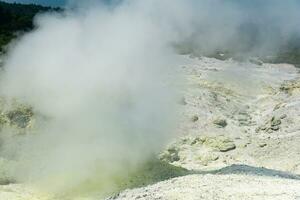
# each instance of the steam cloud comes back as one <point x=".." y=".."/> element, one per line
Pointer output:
<point x="99" y="72"/>
<point x="99" y="77"/>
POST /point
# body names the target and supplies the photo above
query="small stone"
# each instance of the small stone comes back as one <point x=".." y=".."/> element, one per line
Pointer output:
<point x="275" y="122"/>
<point x="269" y="130"/>
<point x="208" y="158"/>
<point x="263" y="128"/>
<point x="223" y="144"/>
<point x="262" y="144"/>
<point x="194" y="142"/>
<point x="277" y="106"/>
<point x="283" y="116"/>
<point x="227" y="147"/>
<point x="221" y="123"/>
<point x="170" y="155"/>
<point x="275" y="128"/>
<point x="195" y="118"/>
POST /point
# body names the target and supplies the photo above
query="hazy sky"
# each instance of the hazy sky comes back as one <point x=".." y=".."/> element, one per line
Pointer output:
<point x="43" y="2"/>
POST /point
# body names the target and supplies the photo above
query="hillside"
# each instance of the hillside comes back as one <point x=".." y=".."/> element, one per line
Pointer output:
<point x="17" y="18"/>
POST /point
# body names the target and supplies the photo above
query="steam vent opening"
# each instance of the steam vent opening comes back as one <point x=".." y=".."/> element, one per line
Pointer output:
<point x="152" y="99"/>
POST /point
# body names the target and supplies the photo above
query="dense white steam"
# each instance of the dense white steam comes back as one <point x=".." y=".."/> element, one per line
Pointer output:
<point x="99" y="76"/>
<point x="252" y="27"/>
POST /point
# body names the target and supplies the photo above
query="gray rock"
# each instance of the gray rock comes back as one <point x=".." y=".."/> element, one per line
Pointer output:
<point x="19" y="116"/>
<point x="223" y="144"/>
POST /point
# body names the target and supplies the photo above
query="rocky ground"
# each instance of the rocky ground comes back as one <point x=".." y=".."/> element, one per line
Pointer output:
<point x="196" y="187"/>
<point x="239" y="113"/>
<point x="239" y="136"/>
